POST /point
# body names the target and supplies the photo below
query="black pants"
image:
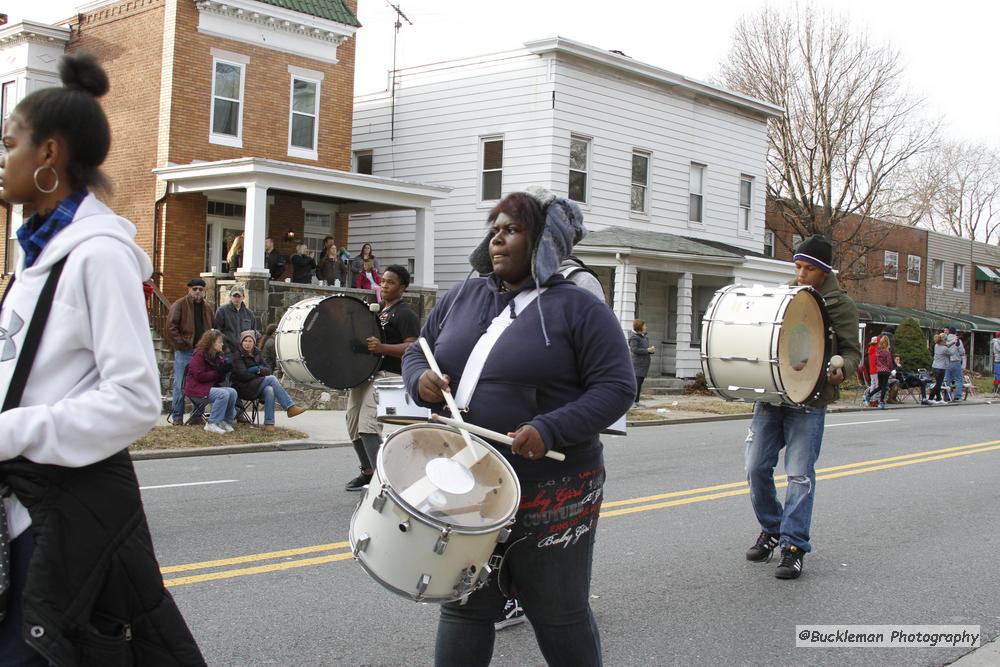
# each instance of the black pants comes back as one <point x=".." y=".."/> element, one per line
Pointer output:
<point x="13" y="651"/>
<point x="938" y="379"/>
<point x="883" y="385"/>
<point x="638" y="386"/>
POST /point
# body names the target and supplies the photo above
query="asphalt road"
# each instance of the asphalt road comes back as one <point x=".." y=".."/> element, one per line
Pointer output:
<point x="906" y="530"/>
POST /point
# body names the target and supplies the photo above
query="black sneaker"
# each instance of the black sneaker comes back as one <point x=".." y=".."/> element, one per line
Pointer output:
<point x="790" y="566"/>
<point x="512" y="614"/>
<point x="358" y="483"/>
<point x="762" y="550"/>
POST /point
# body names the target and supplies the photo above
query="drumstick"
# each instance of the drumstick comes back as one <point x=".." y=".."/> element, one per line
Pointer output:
<point x="448" y="398"/>
<point x="490" y="435"/>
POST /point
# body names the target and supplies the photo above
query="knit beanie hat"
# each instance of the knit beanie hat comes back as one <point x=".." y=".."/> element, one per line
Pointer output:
<point x="816" y="250"/>
<point x="562" y="228"/>
<point x="249" y="332"/>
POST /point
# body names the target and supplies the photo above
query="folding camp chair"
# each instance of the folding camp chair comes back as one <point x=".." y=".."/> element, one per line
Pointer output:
<point x="248" y="412"/>
<point x="197" y="416"/>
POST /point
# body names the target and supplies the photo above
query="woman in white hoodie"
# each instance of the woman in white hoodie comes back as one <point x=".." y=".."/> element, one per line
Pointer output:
<point x="91" y="390"/>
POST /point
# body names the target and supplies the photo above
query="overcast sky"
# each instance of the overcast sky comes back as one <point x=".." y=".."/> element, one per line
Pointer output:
<point x="946" y="47"/>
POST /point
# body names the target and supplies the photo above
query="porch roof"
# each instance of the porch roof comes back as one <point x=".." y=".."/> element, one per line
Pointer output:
<point x="358" y="193"/>
<point x="927" y="319"/>
<point x="623" y="239"/>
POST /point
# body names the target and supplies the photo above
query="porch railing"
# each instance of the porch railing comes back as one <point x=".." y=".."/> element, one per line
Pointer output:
<point x="157" y="307"/>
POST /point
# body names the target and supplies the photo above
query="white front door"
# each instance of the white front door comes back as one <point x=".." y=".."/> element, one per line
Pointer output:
<point x="651" y="306"/>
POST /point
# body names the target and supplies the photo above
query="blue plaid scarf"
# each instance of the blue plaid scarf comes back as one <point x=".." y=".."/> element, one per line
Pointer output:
<point x="36" y="233"/>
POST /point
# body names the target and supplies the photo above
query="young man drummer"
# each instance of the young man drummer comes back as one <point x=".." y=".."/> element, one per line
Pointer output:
<point x="400" y="327"/>
<point x="798" y="429"/>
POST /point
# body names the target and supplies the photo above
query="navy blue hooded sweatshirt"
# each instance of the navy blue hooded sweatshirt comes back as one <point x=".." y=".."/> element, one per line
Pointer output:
<point x="569" y="390"/>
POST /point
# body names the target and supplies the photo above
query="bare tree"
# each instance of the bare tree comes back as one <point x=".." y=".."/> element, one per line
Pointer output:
<point x="849" y="124"/>
<point x="956" y="190"/>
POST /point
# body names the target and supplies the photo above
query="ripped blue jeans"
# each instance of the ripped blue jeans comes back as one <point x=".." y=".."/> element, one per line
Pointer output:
<point x="799" y="431"/>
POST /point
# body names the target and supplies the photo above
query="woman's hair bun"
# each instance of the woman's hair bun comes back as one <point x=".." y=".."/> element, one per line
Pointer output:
<point x="81" y="71"/>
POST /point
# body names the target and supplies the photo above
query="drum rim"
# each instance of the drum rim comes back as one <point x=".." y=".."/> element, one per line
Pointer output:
<point x="436" y="523"/>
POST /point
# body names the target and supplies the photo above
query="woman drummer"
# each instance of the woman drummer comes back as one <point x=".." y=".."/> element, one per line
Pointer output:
<point x="554" y="378"/>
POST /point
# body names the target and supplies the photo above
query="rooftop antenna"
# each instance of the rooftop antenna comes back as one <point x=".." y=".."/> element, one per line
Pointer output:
<point x="392" y="83"/>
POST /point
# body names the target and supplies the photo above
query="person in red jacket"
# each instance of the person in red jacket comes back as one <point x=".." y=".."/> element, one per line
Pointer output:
<point x="872" y="371"/>
<point x="883" y="367"/>
<point x="209" y="366"/>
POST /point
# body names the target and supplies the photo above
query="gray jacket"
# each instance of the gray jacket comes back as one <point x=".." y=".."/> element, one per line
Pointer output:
<point x="232" y="323"/>
<point x="942" y="356"/>
<point x="995" y="346"/>
<point x="639" y="345"/>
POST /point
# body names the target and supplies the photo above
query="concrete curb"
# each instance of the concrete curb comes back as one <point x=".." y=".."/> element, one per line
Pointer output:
<point x="302" y="445"/>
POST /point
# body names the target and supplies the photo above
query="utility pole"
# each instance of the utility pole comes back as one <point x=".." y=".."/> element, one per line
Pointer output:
<point x="392" y="83"/>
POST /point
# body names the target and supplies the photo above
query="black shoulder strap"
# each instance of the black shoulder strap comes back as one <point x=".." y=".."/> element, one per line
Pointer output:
<point x="32" y="337"/>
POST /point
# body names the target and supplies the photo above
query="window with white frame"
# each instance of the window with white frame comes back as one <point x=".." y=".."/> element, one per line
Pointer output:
<point x="8" y="91"/>
<point x="492" y="168"/>
<point x="890" y="265"/>
<point x="579" y="168"/>
<point x="640" y="182"/>
<point x="959" y="278"/>
<point x="696" y="185"/>
<point x="937" y="273"/>
<point x="768" y="243"/>
<point x="317" y="225"/>
<point x="796" y="240"/>
<point x="227" y="102"/>
<point x="303" y="123"/>
<point x="913" y="268"/>
<point x="746" y="196"/>
<point x="363" y="162"/>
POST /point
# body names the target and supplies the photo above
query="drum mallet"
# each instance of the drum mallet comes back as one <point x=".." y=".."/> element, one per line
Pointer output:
<point x="489" y="435"/>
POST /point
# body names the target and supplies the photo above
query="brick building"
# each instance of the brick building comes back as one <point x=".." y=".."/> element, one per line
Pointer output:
<point x="895" y="271"/>
<point x="227" y="118"/>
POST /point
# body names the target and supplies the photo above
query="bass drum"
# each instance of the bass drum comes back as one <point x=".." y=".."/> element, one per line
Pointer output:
<point x="768" y="344"/>
<point x="433" y="513"/>
<point x="321" y="342"/>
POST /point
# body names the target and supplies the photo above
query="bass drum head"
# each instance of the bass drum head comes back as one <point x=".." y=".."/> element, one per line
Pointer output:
<point x="333" y="342"/>
<point x="468" y="495"/>
<point x="802" y="345"/>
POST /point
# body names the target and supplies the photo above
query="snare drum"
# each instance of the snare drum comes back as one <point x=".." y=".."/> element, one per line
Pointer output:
<point x="766" y="344"/>
<point x="395" y="406"/>
<point x="434" y="513"/>
<point x="321" y="342"/>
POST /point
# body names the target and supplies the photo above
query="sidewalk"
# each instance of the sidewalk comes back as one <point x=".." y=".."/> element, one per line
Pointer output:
<point x="328" y="428"/>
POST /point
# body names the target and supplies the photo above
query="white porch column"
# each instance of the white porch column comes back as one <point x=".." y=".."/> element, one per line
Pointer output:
<point x="254" y="230"/>
<point x="688" y="360"/>
<point x="625" y="296"/>
<point x="423" y="261"/>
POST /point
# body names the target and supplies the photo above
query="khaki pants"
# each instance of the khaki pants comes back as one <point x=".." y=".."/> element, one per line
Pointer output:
<point x="362" y="409"/>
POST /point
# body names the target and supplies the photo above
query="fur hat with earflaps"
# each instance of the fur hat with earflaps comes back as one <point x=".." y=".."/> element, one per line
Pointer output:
<point x="562" y="228"/>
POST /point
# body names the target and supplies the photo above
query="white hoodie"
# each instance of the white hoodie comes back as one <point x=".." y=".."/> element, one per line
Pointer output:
<point x="94" y="386"/>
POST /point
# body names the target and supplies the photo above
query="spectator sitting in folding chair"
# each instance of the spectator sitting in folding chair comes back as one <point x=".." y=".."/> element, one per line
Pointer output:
<point x="253" y="381"/>
<point x="206" y="372"/>
<point x="903" y="379"/>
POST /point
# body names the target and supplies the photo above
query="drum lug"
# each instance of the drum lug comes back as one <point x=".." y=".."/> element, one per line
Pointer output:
<point x="425" y="581"/>
<point x="379" y="502"/>
<point x="468" y="582"/>
<point x="404" y="525"/>
<point x="503" y="535"/>
<point x="361" y="544"/>
<point x="442" y="541"/>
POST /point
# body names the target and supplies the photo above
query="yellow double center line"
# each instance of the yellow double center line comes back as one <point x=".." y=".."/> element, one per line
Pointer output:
<point x="289" y="558"/>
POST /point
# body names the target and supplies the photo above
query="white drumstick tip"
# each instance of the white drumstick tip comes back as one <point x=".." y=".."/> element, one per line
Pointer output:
<point x="836" y="361"/>
<point x="374" y="307"/>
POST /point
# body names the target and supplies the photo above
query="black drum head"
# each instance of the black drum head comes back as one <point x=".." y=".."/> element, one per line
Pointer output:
<point x="333" y="342"/>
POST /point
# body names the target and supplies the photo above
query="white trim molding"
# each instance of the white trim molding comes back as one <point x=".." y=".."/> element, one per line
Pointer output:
<point x="273" y="27"/>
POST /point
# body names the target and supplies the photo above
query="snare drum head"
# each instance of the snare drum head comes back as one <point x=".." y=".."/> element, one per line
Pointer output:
<point x="333" y="342"/>
<point x="458" y="490"/>
<point x="802" y="346"/>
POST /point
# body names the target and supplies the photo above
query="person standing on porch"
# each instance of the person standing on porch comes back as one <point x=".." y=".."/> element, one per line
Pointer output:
<point x="273" y="259"/>
<point x="303" y="265"/>
<point x="798" y="429"/>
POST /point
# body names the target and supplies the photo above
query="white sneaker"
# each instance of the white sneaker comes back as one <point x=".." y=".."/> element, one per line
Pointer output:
<point x="214" y="428"/>
<point x="227" y="427"/>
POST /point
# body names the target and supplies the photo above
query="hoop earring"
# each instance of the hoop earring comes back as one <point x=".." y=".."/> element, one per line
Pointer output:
<point x="54" y="187"/>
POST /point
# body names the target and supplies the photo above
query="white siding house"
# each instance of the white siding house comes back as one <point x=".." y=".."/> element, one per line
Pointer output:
<point x="659" y="163"/>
